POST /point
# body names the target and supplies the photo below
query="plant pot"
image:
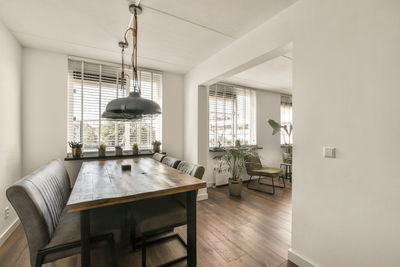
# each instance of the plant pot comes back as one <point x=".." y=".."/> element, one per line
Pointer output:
<point x="118" y="151"/>
<point x="76" y="152"/>
<point x="102" y="152"/>
<point x="235" y="187"/>
<point x="135" y="150"/>
<point x="156" y="148"/>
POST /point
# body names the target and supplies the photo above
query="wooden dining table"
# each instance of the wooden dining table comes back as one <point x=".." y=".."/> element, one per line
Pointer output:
<point x="104" y="183"/>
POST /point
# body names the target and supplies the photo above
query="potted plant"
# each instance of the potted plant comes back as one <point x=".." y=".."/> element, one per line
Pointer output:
<point x="118" y="151"/>
<point x="287" y="131"/>
<point x="234" y="159"/>
<point x="135" y="149"/>
<point x="156" y="146"/>
<point x="76" y="149"/>
<point x="102" y="150"/>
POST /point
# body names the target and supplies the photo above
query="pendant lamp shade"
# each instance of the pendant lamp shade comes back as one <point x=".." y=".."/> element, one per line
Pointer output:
<point x="131" y="107"/>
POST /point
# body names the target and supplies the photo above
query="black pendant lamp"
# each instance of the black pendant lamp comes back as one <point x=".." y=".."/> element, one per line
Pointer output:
<point x="133" y="106"/>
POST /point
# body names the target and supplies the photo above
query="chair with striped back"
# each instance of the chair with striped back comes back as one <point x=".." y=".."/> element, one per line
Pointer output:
<point x="158" y="156"/>
<point x="170" y="161"/>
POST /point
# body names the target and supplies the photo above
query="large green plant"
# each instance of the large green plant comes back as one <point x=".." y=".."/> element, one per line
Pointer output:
<point x="234" y="159"/>
<point x="277" y="128"/>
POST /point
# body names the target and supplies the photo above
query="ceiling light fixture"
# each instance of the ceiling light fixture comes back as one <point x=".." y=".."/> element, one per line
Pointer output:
<point x="133" y="106"/>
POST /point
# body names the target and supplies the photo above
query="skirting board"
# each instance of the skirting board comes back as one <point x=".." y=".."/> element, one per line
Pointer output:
<point x="299" y="260"/>
<point x="202" y="196"/>
<point x="4" y="236"/>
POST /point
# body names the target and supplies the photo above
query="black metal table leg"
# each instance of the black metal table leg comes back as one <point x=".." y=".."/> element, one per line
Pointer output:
<point x="85" y="238"/>
<point x="191" y="228"/>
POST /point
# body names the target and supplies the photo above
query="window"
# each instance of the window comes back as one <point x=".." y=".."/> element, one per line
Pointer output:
<point x="231" y="115"/>
<point x="88" y="96"/>
<point x="286" y="117"/>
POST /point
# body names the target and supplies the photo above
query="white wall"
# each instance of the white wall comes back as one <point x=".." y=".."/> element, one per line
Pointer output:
<point x="172" y="112"/>
<point x="44" y="104"/>
<point x="346" y="211"/>
<point x="10" y="121"/>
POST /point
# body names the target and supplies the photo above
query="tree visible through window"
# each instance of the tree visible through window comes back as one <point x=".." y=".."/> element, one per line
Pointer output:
<point x="88" y="96"/>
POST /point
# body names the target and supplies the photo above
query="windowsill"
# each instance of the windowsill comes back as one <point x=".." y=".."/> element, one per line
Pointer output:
<point x="95" y="156"/>
<point x="223" y="149"/>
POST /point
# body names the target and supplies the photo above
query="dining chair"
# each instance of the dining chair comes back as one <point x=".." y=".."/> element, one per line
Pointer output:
<point x="158" y="156"/>
<point x="155" y="216"/>
<point x="170" y="161"/>
<point x="40" y="199"/>
<point x="255" y="168"/>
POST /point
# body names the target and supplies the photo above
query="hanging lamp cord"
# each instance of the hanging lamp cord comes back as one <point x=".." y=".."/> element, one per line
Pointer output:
<point x="134" y="30"/>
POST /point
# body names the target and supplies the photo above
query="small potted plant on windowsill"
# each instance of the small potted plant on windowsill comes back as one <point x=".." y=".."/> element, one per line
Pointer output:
<point x="156" y="146"/>
<point x="76" y="149"/>
<point x="135" y="149"/>
<point x="102" y="150"/>
<point x="118" y="151"/>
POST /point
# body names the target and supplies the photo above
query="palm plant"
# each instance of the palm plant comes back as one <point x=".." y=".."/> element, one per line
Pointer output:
<point x="234" y="159"/>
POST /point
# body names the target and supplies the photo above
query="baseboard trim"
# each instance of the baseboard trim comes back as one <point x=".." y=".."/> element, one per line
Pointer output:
<point x="299" y="260"/>
<point x="202" y="196"/>
<point x="4" y="236"/>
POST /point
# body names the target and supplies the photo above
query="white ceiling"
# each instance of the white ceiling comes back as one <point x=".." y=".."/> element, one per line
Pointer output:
<point x="174" y="35"/>
<point x="273" y="75"/>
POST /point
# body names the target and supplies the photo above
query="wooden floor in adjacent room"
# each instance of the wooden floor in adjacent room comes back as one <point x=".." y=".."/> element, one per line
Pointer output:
<point x="254" y="230"/>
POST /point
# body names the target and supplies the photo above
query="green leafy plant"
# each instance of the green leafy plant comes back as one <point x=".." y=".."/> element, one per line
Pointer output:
<point x="277" y="128"/>
<point x="102" y="147"/>
<point x="234" y="159"/>
<point x="156" y="143"/>
<point x="135" y="145"/>
<point x="73" y="144"/>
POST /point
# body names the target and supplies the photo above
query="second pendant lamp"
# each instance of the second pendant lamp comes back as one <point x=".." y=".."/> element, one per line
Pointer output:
<point x="133" y="106"/>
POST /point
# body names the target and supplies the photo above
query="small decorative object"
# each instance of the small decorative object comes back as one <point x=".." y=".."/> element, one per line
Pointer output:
<point x="126" y="167"/>
<point x="135" y="149"/>
<point x="237" y="143"/>
<point x="76" y="149"/>
<point x="234" y="159"/>
<point x="118" y="151"/>
<point x="156" y="146"/>
<point x="102" y="150"/>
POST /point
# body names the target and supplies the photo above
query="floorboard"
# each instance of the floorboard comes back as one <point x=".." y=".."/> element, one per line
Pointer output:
<point x="253" y="230"/>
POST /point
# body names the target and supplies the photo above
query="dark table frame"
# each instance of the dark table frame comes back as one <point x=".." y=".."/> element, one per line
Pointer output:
<point x="191" y="232"/>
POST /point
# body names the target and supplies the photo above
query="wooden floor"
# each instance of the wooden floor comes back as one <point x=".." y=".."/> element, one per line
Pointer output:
<point x="254" y="230"/>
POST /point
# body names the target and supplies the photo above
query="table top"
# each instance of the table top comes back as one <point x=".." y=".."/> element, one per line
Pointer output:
<point x="104" y="183"/>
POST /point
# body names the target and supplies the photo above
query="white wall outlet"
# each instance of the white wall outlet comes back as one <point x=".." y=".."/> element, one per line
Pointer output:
<point x="329" y="152"/>
<point x="6" y="212"/>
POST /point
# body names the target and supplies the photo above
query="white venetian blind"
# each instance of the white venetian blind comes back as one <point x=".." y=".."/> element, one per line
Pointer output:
<point x="88" y="96"/>
<point x="231" y="111"/>
<point x="286" y="117"/>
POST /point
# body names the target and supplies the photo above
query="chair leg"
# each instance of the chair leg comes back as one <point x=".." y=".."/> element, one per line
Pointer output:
<point x="273" y="186"/>
<point x="111" y="242"/>
<point x="143" y="251"/>
<point x="133" y="235"/>
<point x="39" y="260"/>
<point x="249" y="181"/>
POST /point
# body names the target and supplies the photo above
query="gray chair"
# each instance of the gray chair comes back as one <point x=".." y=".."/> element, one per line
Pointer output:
<point x="158" y="156"/>
<point x="39" y="200"/>
<point x="170" y="161"/>
<point x="155" y="216"/>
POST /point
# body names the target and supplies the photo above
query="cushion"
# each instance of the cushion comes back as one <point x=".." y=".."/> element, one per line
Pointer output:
<point x="266" y="171"/>
<point x="155" y="214"/>
<point x="158" y="156"/>
<point x="170" y="161"/>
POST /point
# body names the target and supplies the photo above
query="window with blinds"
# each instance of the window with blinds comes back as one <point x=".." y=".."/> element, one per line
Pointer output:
<point x="286" y="118"/>
<point x="90" y="87"/>
<point x="231" y="115"/>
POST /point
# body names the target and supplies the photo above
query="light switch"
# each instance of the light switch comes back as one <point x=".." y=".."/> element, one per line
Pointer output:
<point x="329" y="152"/>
